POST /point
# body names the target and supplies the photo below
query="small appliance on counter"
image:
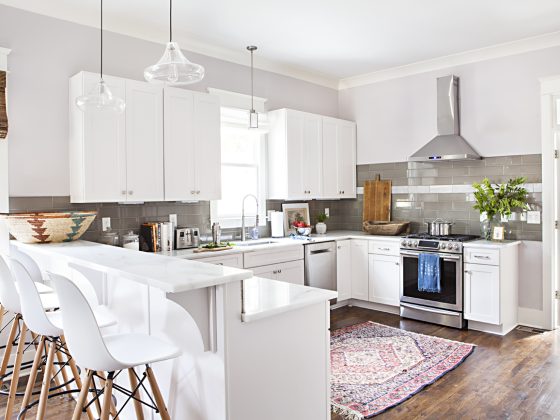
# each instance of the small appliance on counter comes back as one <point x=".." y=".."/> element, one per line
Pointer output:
<point x="186" y="237"/>
<point x="277" y="224"/>
<point x="131" y="241"/>
<point x="156" y="236"/>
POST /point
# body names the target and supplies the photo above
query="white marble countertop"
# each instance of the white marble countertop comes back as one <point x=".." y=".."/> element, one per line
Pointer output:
<point x="268" y="243"/>
<point x="171" y="275"/>
<point x="481" y="243"/>
<point x="264" y="298"/>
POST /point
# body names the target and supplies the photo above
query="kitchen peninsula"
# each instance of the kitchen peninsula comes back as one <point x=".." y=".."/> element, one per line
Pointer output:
<point x="236" y="331"/>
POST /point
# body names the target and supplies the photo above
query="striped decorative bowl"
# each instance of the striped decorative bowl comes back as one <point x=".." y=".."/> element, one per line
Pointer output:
<point x="49" y="227"/>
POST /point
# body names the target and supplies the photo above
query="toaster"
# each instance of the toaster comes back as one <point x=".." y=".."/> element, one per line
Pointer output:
<point x="186" y="237"/>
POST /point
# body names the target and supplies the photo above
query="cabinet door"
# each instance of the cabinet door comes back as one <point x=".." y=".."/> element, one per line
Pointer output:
<point x="207" y="147"/>
<point x="331" y="188"/>
<point x="304" y="142"/>
<point x="384" y="279"/>
<point x="359" y="272"/>
<point x="144" y="141"/>
<point x="266" y="272"/>
<point x="291" y="272"/>
<point x="235" y="260"/>
<point x="346" y="158"/>
<point x="103" y="152"/>
<point x="343" y="270"/>
<point x="482" y="293"/>
<point x="179" y="144"/>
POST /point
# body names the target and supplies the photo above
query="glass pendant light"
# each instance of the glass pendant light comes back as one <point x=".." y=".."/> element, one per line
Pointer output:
<point x="100" y="98"/>
<point x="253" y="115"/>
<point x="173" y="67"/>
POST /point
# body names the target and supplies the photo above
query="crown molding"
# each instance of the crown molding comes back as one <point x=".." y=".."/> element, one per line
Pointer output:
<point x="467" y="57"/>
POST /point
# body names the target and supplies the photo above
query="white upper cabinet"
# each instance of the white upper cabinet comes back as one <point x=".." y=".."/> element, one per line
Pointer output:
<point x="192" y="145"/>
<point x="310" y="156"/>
<point x="97" y="145"/>
<point x="163" y="147"/>
<point x="144" y="141"/>
<point x="339" y="158"/>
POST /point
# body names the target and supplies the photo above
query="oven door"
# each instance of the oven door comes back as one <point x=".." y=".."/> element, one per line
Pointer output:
<point x="451" y="296"/>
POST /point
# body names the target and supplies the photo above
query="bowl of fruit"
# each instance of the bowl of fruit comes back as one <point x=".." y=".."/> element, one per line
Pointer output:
<point x="302" y="228"/>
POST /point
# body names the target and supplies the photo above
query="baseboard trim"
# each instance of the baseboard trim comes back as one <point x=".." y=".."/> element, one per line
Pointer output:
<point x="531" y="318"/>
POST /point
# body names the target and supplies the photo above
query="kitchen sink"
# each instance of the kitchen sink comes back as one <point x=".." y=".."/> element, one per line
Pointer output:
<point x="254" y="243"/>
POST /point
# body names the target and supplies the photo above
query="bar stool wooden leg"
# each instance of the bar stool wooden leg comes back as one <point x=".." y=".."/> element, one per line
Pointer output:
<point x="137" y="404"/>
<point x="9" y="346"/>
<point x="15" y="374"/>
<point x="113" y="407"/>
<point x="160" y="403"/>
<point x="1" y="314"/>
<point x="32" y="376"/>
<point x="83" y="396"/>
<point x="46" y="382"/>
<point x="76" y="375"/>
<point x="107" y="397"/>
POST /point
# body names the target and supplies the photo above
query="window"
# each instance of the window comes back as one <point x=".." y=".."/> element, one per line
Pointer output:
<point x="243" y="172"/>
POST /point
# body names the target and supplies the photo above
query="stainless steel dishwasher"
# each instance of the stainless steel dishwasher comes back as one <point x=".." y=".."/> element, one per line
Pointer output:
<point x="320" y="265"/>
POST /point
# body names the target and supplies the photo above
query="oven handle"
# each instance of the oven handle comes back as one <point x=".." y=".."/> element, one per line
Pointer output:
<point x="445" y="257"/>
<point x="433" y="310"/>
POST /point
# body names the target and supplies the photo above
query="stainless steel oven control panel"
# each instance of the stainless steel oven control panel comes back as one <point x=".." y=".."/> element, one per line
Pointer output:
<point x="432" y="245"/>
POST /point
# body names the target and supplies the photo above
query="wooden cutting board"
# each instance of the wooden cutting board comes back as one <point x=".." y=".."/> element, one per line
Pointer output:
<point x="377" y="200"/>
<point x="222" y="248"/>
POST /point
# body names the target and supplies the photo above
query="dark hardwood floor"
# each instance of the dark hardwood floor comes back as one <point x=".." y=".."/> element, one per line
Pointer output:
<point x="511" y="377"/>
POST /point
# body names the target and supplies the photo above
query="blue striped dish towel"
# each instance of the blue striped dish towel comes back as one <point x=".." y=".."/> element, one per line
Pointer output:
<point x="429" y="273"/>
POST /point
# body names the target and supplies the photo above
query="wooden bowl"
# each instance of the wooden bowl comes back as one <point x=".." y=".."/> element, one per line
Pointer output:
<point x="385" y="228"/>
<point x="49" y="227"/>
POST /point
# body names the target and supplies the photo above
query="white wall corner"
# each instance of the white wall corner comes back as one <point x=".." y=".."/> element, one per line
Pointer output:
<point x="531" y="318"/>
<point x="4" y="52"/>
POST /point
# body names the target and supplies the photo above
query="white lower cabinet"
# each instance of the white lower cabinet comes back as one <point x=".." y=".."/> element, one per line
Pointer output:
<point x="384" y="279"/>
<point x="289" y="272"/>
<point x="359" y="269"/>
<point x="343" y="270"/>
<point x="482" y="293"/>
<point x="234" y="260"/>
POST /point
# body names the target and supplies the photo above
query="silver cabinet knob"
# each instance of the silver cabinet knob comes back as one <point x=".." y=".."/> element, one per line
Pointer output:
<point x="279" y="271"/>
<point x="198" y="192"/>
<point x="123" y="192"/>
<point x="193" y="192"/>
<point x="130" y="192"/>
<point x="397" y="263"/>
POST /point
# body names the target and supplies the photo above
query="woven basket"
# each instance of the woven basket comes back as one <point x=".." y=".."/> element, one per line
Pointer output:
<point x="49" y="227"/>
<point x="385" y="228"/>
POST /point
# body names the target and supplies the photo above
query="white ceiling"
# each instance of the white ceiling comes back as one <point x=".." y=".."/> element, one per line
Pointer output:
<point x="324" y="40"/>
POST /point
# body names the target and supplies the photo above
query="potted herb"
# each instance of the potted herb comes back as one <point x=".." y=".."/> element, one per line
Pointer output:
<point x="497" y="201"/>
<point x="321" y="226"/>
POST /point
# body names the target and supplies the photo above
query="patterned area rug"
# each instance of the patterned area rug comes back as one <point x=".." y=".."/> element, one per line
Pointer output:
<point x="375" y="367"/>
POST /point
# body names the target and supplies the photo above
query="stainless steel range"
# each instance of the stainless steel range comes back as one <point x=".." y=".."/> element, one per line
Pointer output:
<point x="445" y="307"/>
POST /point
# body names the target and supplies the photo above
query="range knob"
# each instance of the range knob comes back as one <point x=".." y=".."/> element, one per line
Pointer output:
<point x="456" y="247"/>
<point x="449" y="245"/>
<point x="415" y="244"/>
<point x="442" y="245"/>
<point x="409" y="243"/>
<point x="403" y="243"/>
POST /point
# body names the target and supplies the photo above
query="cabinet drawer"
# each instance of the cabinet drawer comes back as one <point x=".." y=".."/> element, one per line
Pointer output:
<point x="234" y="260"/>
<point x="482" y="256"/>
<point x="272" y="256"/>
<point x="384" y="247"/>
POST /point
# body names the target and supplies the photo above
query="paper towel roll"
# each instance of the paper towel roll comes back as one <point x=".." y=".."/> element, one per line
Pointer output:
<point x="277" y="224"/>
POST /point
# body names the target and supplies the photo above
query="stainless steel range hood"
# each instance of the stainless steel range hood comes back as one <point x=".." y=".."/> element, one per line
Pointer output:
<point x="448" y="144"/>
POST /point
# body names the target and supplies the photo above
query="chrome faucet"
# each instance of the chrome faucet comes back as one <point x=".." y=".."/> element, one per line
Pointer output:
<point x="243" y="233"/>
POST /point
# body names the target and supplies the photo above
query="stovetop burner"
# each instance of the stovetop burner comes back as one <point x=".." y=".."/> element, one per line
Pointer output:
<point x="450" y="238"/>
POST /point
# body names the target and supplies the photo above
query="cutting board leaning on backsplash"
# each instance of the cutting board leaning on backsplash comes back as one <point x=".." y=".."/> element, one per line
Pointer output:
<point x="377" y="200"/>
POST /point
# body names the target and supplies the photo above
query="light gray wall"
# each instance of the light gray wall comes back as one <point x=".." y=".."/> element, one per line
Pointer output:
<point x="500" y="101"/>
<point x="47" y="51"/>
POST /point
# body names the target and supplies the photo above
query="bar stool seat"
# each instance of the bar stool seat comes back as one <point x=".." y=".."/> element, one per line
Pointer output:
<point x="130" y="350"/>
<point x="43" y="288"/>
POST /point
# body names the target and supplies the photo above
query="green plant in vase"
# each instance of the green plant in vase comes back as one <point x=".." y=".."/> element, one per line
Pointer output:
<point x="321" y="226"/>
<point x="498" y="200"/>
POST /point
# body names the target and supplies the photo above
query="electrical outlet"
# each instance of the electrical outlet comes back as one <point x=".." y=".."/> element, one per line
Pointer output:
<point x="523" y="216"/>
<point x="534" y="217"/>
<point x="173" y="220"/>
<point x="105" y="224"/>
<point x="327" y="212"/>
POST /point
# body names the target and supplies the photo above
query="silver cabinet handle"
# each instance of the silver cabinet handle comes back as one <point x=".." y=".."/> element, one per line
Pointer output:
<point x="384" y="249"/>
<point x="220" y="263"/>
<point x="193" y="192"/>
<point x="279" y="271"/>
<point x="482" y="257"/>
<point x="123" y="192"/>
<point x="467" y="272"/>
<point x="339" y="247"/>
<point x="130" y="192"/>
<point x="397" y="263"/>
<point x="198" y="192"/>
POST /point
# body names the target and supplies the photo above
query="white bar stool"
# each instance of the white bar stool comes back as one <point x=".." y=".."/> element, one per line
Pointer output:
<point x="48" y="326"/>
<point x="10" y="298"/>
<point x="111" y="354"/>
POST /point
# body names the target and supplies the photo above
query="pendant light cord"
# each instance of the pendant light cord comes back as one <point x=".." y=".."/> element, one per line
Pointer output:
<point x="252" y="104"/>
<point x="101" y="36"/>
<point x="170" y="21"/>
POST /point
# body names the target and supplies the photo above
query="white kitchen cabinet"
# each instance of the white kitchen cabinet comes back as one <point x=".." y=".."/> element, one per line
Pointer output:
<point x="343" y="270"/>
<point x="482" y="293"/>
<point x="295" y="155"/>
<point x="97" y="145"/>
<point x="384" y="279"/>
<point x="289" y="272"/>
<point x="359" y="272"/>
<point x="231" y="260"/>
<point x="191" y="145"/>
<point x="144" y="141"/>
<point x="339" y="158"/>
<point x="491" y="274"/>
<point x="272" y="255"/>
